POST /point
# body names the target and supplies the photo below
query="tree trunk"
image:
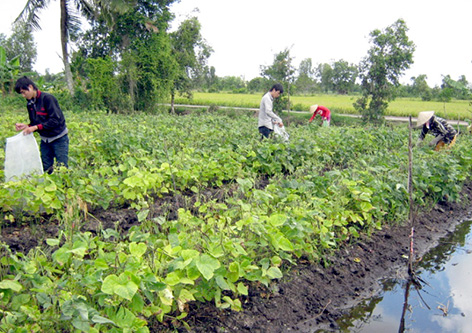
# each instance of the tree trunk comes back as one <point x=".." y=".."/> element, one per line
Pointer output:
<point x="64" y="43"/>
<point x="130" y="68"/>
<point x="132" y="86"/>
<point x="288" y="97"/>
<point x="131" y="73"/>
<point x="172" y="99"/>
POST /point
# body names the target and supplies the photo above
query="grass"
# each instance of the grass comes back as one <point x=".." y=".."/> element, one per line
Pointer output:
<point x="455" y="109"/>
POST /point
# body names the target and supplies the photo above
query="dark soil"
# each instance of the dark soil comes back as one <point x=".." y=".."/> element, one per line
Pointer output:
<point x="309" y="297"/>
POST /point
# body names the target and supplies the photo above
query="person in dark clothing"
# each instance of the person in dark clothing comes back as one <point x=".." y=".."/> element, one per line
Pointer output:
<point x="47" y="119"/>
<point x="445" y="134"/>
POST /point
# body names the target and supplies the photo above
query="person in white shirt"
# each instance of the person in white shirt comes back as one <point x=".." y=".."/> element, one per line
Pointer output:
<point x="267" y="117"/>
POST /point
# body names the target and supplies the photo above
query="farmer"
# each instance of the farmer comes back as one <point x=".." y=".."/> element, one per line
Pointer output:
<point x="267" y="117"/>
<point x="324" y="113"/>
<point x="445" y="134"/>
<point x="47" y="119"/>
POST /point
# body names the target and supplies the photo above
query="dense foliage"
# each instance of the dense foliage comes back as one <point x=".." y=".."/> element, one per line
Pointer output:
<point x="146" y="63"/>
<point x="217" y="210"/>
<point x="390" y="55"/>
<point x="8" y="72"/>
<point x="20" y="44"/>
<point x="136" y="53"/>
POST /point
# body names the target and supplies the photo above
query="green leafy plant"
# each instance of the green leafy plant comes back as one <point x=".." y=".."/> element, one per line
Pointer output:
<point x="243" y="211"/>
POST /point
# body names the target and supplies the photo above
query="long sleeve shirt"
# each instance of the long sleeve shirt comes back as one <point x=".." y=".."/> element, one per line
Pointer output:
<point x="267" y="117"/>
<point x="44" y="111"/>
<point x="323" y="111"/>
<point x="439" y="126"/>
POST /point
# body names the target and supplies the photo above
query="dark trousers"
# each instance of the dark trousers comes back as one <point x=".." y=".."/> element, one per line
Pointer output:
<point x="265" y="132"/>
<point x="58" y="149"/>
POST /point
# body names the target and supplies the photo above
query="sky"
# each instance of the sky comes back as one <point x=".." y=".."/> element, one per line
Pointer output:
<point x="246" y="34"/>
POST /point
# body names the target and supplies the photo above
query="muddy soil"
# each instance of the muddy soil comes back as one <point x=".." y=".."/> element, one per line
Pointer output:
<point x="309" y="297"/>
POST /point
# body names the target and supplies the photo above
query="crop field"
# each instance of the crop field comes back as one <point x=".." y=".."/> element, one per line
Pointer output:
<point x="213" y="210"/>
<point x="455" y="109"/>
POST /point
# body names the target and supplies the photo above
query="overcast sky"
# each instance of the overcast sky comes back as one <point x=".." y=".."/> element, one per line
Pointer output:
<point x="246" y="34"/>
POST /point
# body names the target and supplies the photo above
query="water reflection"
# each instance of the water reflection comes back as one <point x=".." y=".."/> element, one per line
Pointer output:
<point x="442" y="304"/>
<point x="458" y="274"/>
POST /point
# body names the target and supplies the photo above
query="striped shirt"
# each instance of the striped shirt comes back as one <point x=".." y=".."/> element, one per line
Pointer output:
<point x="439" y="126"/>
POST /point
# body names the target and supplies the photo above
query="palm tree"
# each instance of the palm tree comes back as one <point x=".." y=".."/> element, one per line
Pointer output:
<point x="70" y="20"/>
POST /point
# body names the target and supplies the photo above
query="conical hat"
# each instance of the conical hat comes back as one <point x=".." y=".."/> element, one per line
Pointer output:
<point x="313" y="108"/>
<point x="423" y="117"/>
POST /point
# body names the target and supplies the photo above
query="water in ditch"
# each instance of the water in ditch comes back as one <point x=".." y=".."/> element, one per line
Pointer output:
<point x="441" y="303"/>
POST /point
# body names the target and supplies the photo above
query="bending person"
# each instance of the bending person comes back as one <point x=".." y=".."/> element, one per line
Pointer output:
<point x="445" y="134"/>
<point x="323" y="111"/>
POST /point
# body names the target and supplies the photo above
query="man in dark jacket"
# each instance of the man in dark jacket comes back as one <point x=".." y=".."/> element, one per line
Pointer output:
<point x="47" y="119"/>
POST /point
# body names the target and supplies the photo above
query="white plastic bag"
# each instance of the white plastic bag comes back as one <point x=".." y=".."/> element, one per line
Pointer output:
<point x="280" y="131"/>
<point x="22" y="157"/>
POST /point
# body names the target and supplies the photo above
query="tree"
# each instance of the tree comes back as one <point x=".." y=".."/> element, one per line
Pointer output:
<point x="258" y="84"/>
<point x="191" y="54"/>
<point x="281" y="71"/>
<point x="9" y="70"/>
<point x="211" y="79"/>
<point x="390" y="55"/>
<point x="232" y="83"/>
<point x="325" y="74"/>
<point x="141" y="49"/>
<point x="104" y="88"/>
<point x="458" y="89"/>
<point x="343" y="76"/>
<point x="50" y="80"/>
<point x="306" y="77"/>
<point x="154" y="71"/>
<point x="21" y="44"/>
<point x="421" y="88"/>
<point x="70" y="21"/>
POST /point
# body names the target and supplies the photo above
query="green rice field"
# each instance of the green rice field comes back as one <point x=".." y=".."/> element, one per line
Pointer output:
<point x="341" y="104"/>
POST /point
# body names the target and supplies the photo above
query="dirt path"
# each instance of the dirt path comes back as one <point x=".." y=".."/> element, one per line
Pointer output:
<point x="454" y="122"/>
<point x="310" y="297"/>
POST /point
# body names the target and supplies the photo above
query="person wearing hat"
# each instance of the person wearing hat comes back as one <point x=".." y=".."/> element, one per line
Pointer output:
<point x="445" y="134"/>
<point x="267" y="118"/>
<point x="323" y="111"/>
